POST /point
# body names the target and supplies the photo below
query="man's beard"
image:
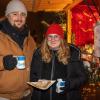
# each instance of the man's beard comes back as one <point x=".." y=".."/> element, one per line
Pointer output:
<point x="18" y="28"/>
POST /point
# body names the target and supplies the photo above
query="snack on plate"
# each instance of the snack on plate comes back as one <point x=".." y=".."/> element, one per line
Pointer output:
<point x="42" y="84"/>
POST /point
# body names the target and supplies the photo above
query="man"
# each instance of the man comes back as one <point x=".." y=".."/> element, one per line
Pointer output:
<point x="15" y="41"/>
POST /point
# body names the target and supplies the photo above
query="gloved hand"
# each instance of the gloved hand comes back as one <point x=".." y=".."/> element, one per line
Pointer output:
<point x="61" y="85"/>
<point x="9" y="62"/>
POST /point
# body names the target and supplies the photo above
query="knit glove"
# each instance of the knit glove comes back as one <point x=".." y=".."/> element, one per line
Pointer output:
<point x="9" y="62"/>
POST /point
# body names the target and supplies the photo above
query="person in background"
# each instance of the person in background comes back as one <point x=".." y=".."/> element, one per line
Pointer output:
<point x="15" y="41"/>
<point x="56" y="60"/>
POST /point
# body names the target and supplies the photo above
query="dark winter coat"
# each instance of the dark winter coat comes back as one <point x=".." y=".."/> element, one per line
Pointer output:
<point x="73" y="74"/>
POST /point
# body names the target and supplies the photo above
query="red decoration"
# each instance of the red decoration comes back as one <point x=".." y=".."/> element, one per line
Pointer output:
<point x="82" y="24"/>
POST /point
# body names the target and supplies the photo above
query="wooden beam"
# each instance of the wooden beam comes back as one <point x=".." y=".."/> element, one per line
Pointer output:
<point x="50" y="5"/>
<point x="75" y="2"/>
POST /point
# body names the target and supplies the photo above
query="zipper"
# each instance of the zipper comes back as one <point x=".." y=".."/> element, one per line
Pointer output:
<point x="52" y="72"/>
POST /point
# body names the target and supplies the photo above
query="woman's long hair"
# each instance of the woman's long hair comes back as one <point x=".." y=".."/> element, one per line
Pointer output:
<point x="63" y="53"/>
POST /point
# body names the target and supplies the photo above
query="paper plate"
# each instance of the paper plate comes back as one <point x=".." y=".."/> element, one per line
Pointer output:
<point x="42" y="84"/>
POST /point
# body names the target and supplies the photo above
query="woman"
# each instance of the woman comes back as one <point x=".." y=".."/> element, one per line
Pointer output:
<point x="55" y="60"/>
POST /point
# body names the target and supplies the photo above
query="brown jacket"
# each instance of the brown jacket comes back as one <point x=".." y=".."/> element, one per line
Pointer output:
<point x="13" y="84"/>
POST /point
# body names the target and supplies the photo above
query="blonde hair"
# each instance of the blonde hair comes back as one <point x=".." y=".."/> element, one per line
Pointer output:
<point x="63" y="53"/>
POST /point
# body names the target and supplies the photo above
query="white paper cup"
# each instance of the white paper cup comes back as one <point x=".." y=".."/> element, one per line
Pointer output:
<point x="20" y="62"/>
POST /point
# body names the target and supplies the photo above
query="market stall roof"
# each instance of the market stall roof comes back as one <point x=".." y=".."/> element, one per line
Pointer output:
<point x="50" y="5"/>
